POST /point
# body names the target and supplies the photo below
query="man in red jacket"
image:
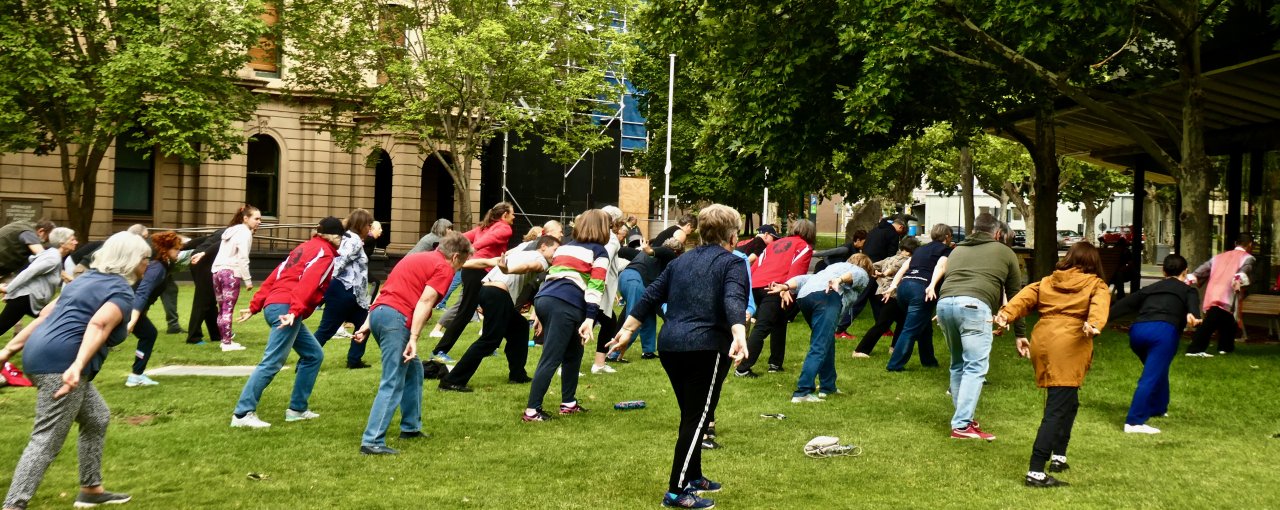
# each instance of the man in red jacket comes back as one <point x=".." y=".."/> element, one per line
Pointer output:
<point x="782" y="260"/>
<point x="286" y="298"/>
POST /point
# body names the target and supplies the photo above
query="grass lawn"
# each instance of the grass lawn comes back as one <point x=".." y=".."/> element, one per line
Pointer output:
<point x="171" y="447"/>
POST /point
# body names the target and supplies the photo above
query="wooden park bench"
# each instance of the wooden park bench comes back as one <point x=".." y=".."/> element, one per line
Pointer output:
<point x="1264" y="305"/>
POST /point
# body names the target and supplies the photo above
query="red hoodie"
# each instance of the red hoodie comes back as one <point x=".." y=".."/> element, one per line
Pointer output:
<point x="782" y="260"/>
<point x="299" y="281"/>
<point x="489" y="242"/>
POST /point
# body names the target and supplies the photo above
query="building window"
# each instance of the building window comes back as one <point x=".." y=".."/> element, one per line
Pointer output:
<point x="262" y="175"/>
<point x="264" y="58"/>
<point x="134" y="175"/>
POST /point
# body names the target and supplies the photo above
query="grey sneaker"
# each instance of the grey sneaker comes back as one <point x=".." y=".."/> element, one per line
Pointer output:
<point x="290" y="415"/>
<point x="106" y="498"/>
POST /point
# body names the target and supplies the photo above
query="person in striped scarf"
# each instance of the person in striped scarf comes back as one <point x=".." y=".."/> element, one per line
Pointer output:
<point x="566" y="308"/>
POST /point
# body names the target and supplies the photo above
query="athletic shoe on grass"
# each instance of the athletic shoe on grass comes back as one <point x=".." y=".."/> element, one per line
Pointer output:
<point x="291" y="415"/>
<point x="971" y="432"/>
<point x="106" y="498"/>
<point x="250" y="420"/>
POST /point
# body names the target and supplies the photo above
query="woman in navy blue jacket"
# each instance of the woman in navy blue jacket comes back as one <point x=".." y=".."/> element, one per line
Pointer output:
<point x="165" y="247"/>
<point x="705" y="331"/>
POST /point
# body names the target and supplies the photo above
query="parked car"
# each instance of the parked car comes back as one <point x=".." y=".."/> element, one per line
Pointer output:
<point x="1066" y="238"/>
<point x="1019" y="237"/>
<point x="1123" y="232"/>
<point x="957" y="234"/>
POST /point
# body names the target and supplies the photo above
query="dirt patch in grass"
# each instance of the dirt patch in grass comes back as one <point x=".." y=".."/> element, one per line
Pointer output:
<point x="139" y="420"/>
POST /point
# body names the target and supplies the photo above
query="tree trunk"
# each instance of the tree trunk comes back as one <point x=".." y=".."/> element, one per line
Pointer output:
<point x="1151" y="217"/>
<point x="1089" y="214"/>
<point x="1042" y="228"/>
<point x="459" y="171"/>
<point x="1193" y="171"/>
<point x="966" y="186"/>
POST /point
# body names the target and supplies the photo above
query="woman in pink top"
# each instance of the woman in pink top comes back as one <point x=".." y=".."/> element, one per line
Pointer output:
<point x="231" y="268"/>
<point x="490" y="241"/>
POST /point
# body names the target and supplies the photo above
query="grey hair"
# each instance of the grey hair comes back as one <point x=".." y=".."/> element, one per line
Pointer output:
<point x="940" y="232"/>
<point x="121" y="254"/>
<point x="986" y="222"/>
<point x="614" y="213"/>
<point x="60" y="235"/>
<point x="441" y="226"/>
<point x="718" y="224"/>
<point x="137" y="229"/>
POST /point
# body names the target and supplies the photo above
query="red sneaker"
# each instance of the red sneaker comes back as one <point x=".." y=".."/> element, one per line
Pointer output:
<point x="887" y="334"/>
<point x="13" y="376"/>
<point x="843" y="336"/>
<point x="971" y="432"/>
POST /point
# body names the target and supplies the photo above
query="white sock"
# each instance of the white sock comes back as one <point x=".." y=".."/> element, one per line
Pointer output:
<point x="569" y="404"/>
<point x="1036" y="475"/>
<point x="1059" y="458"/>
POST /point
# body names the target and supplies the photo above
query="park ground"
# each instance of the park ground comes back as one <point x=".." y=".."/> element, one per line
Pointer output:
<point x="170" y="445"/>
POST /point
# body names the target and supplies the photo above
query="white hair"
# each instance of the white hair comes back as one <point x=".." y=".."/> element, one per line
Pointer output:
<point x="614" y="213"/>
<point x="121" y="254"/>
<point x="60" y="235"/>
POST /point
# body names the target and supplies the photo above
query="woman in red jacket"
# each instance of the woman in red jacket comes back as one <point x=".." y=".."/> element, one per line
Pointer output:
<point x="782" y="260"/>
<point x="286" y="298"/>
<point x="490" y="241"/>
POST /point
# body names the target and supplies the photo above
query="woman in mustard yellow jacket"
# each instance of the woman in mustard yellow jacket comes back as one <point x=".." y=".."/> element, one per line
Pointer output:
<point x="1073" y="303"/>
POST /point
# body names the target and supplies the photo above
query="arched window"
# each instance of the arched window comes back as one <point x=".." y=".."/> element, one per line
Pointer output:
<point x="262" y="175"/>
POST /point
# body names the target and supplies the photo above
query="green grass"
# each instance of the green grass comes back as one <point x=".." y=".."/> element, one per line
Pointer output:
<point x="1215" y="451"/>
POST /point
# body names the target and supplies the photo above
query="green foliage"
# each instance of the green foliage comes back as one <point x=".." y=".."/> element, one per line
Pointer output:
<point x="449" y="75"/>
<point x="1087" y="184"/>
<point x="75" y="74"/>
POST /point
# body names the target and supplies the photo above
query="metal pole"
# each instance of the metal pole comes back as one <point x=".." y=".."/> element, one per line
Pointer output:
<point x="764" y="212"/>
<point x="671" y="90"/>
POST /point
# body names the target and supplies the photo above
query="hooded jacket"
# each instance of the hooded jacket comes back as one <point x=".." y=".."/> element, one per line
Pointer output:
<point x="299" y="281"/>
<point x="983" y="268"/>
<point x="1060" y="350"/>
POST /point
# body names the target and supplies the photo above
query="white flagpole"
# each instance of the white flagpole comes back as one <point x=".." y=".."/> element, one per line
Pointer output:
<point x="671" y="90"/>
<point x="764" y="212"/>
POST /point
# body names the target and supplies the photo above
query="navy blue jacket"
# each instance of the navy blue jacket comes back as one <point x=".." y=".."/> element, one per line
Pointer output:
<point x="706" y="294"/>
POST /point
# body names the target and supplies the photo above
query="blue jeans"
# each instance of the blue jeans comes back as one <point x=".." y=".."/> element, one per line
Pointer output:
<point x="966" y="323"/>
<point x="340" y="306"/>
<point x="1155" y="343"/>
<point x="632" y="288"/>
<point x="457" y="280"/>
<point x="401" y="384"/>
<point x="822" y="309"/>
<point x="916" y="327"/>
<point x="310" y="355"/>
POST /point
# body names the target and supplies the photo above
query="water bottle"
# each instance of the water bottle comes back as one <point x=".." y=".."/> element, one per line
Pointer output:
<point x="629" y="404"/>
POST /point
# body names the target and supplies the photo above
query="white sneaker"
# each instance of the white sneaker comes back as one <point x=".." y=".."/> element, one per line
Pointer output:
<point x="1199" y="355"/>
<point x="823" y="394"/>
<point x="806" y="399"/>
<point x="250" y="420"/>
<point x="435" y="333"/>
<point x="860" y="355"/>
<point x="139" y="380"/>
<point x="291" y="415"/>
<point x="603" y="369"/>
<point x="1140" y="429"/>
<point x="342" y="333"/>
<point x="232" y="346"/>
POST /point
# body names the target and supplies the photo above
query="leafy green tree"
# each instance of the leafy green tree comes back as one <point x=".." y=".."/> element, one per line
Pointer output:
<point x="76" y="75"/>
<point x="1088" y="188"/>
<point x="450" y="75"/>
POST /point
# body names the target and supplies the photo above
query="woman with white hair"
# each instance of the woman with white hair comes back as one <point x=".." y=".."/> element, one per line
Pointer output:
<point x="64" y="350"/>
<point x="35" y="286"/>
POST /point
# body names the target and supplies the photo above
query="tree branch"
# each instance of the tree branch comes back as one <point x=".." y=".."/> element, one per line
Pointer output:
<point x="968" y="60"/>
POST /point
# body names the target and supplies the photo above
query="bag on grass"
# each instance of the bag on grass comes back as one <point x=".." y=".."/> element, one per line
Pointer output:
<point x="432" y="369"/>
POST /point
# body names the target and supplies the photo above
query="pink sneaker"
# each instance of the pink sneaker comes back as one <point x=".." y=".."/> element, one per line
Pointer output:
<point x="971" y="432"/>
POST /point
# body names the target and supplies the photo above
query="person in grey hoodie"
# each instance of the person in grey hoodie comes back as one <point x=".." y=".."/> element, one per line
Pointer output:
<point x="980" y="272"/>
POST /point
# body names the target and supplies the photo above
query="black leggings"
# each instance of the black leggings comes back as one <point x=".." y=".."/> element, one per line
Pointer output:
<point x="501" y="320"/>
<point x="146" y="333"/>
<point x="890" y="314"/>
<point x="204" y="305"/>
<point x="1060" y="408"/>
<point x="771" y="320"/>
<point x="471" y="282"/>
<point x="14" y="310"/>
<point x="608" y="327"/>
<point x="696" y="378"/>
<point x="1216" y="320"/>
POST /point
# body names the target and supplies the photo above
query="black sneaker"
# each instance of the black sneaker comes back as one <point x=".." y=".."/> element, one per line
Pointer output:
<point x="358" y="365"/>
<point x="106" y="498"/>
<point x="711" y="432"/>
<point x="746" y="373"/>
<point x="176" y="331"/>
<point x="1046" y="482"/>
<point x="1058" y="466"/>
<point x="523" y="379"/>
<point x="538" y="415"/>
<point x="460" y="388"/>
<point x="414" y="435"/>
<point x="649" y="355"/>
<point x="378" y="450"/>
<point x="686" y="500"/>
<point x="709" y="444"/>
<point x="702" y="486"/>
<point x="774" y="368"/>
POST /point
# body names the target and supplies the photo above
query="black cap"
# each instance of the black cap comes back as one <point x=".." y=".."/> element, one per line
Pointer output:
<point x="330" y="225"/>
<point x="768" y="229"/>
